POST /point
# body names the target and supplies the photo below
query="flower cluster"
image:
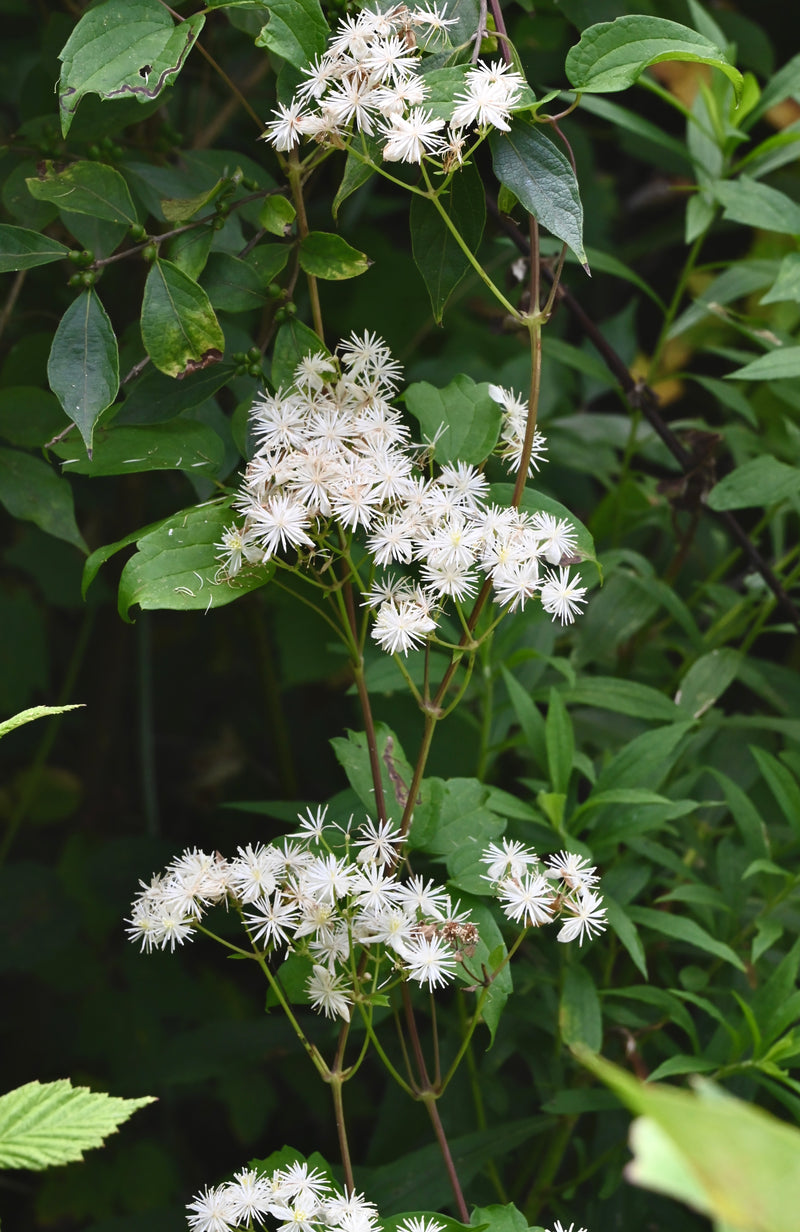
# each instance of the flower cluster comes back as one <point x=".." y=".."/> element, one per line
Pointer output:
<point x="533" y="893"/>
<point x="335" y="458"/>
<point x="295" y="1197"/>
<point x="367" y="81"/>
<point x="329" y="892"/>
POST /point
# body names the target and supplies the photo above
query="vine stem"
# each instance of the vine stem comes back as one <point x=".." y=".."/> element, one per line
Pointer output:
<point x="296" y="184"/>
<point x="336" y="1083"/>
<point x="429" y="1100"/>
<point x="357" y="663"/>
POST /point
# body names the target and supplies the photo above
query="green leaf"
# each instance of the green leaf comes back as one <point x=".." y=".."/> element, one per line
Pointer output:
<point x="42" y="1124"/>
<point x="31" y="490"/>
<point x="780" y="365"/>
<point x="455" y="820"/>
<point x="645" y="760"/>
<point x="180" y="444"/>
<point x="640" y="701"/>
<point x="629" y="121"/>
<point x="761" y="481"/>
<point x="612" y="55"/>
<point x="707" y="679"/>
<point x="782" y="784"/>
<point x="356" y="171"/>
<point x="179" y="329"/>
<point x="83" y="366"/>
<point x="745" y="814"/>
<point x="498" y="1218"/>
<point x="787" y="285"/>
<point x="757" y="205"/>
<point x="85" y="188"/>
<point x="626" y="930"/>
<point x="154" y="397"/>
<point x="233" y="285"/>
<point x="293" y="342"/>
<point x="396" y="773"/>
<point x="176" y="566"/>
<point x="277" y="215"/>
<point x="22" y="249"/>
<point x="721" y="1155"/>
<point x="438" y="257"/>
<point x="180" y="209"/>
<point x="297" y="31"/>
<point x="560" y="743"/>
<point x="123" y="48"/>
<point x="580" y="1019"/>
<point x="681" y="928"/>
<point x="463" y="419"/>
<point x="35" y="712"/>
<point x="29" y="416"/>
<point x="326" y="255"/>
<point x="528" y="716"/>
<point x="542" y="179"/>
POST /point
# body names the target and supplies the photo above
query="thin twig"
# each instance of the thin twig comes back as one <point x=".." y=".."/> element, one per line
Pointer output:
<point x="642" y="397"/>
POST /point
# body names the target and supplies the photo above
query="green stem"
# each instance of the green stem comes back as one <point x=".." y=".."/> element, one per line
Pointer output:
<point x="535" y="331"/>
<point x="674" y="305"/>
<point x="296" y="186"/>
<point x="433" y="197"/>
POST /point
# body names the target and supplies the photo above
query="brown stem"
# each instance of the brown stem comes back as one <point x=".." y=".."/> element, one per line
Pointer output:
<point x="533" y="407"/>
<point x="296" y="185"/>
<point x="500" y="27"/>
<point x="436" y="1121"/>
<point x="11" y="299"/>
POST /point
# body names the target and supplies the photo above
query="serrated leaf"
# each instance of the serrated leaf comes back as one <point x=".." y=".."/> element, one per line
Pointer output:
<point x="22" y="249"/>
<point x="31" y="490"/>
<point x="35" y="712"/>
<point x="177" y="567"/>
<point x="180" y="444"/>
<point x="123" y="48"/>
<point x="782" y="364"/>
<point x="542" y="179"/>
<point x="180" y="331"/>
<point x="462" y="418"/>
<point x="438" y="257"/>
<point x="761" y="481"/>
<point x="43" y="1124"/>
<point x="324" y="254"/>
<point x="85" y="188"/>
<point x="83" y="366"/>
<point x="297" y="31"/>
<point x="612" y="55"/>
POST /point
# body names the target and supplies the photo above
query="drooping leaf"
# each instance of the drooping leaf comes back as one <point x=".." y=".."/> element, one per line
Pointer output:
<point x="462" y="418"/>
<point x="296" y="31"/>
<point x="154" y="397"/>
<point x="723" y="1156"/>
<point x="761" y="481"/>
<point x="180" y="331"/>
<point x="326" y="255"/>
<point x="35" y="712"/>
<point x="612" y="55"/>
<point x="179" y="444"/>
<point x="439" y="258"/>
<point x="42" y="1124"/>
<point x="542" y="179"/>
<point x="83" y="366"/>
<point x="233" y="285"/>
<point x="176" y="566"/>
<point x="31" y="490"/>
<point x="85" y="188"/>
<point x="356" y="170"/>
<point x="22" y="249"/>
<point x="682" y="928"/>
<point x="123" y="48"/>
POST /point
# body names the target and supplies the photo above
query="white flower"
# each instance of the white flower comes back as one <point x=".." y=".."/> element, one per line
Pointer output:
<point x="556" y="535"/>
<point x="378" y="843"/>
<point x="512" y="859"/>
<point x="401" y="626"/>
<point x="574" y="870"/>
<point x="588" y="917"/>
<point x="212" y="1210"/>
<point x="429" y="960"/>
<point x="527" y="900"/>
<point x="280" y="522"/>
<point x="270" y="921"/>
<point x="561" y="596"/>
<point x="412" y="137"/>
<point x="427" y="899"/>
<point x="419" y="1223"/>
<point x="254" y="873"/>
<point x="327" y="993"/>
<point x="491" y="92"/>
<point x="285" y="131"/>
